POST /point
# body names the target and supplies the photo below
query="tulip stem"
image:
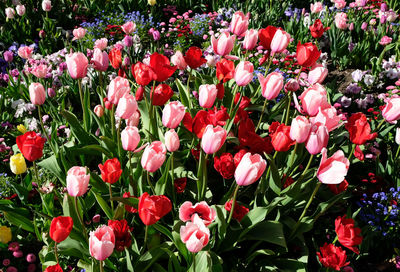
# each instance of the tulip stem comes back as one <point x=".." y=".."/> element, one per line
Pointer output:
<point x="149" y="182"/>
<point x="145" y="238"/>
<point x="380" y="124"/>
<point x="288" y="108"/>
<point x="305" y="170"/>
<point x="194" y="262"/>
<point x="130" y="173"/>
<point x="397" y="153"/>
<point x="101" y="88"/>
<point x="36" y="172"/>
<point x="55" y="252"/>
<point x="83" y="106"/>
<point x="101" y="266"/>
<point x="262" y="112"/>
<point x="352" y="151"/>
<point x="172" y="176"/>
<point x="305" y="208"/>
<point x="204" y="177"/>
<point x="233" y="204"/>
<point x="233" y="99"/>
<point x="119" y="138"/>
<point x="111" y="202"/>
<point x="80" y="218"/>
<point x="188" y="88"/>
<point x="44" y="131"/>
<point x="113" y="121"/>
<point x="151" y="116"/>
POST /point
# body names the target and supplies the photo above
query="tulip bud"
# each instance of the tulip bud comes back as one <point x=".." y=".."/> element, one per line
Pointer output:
<point x="42" y="34"/>
<point x="77" y="181"/>
<point x="37" y="93"/>
<point x="364" y="26"/>
<point x="300" y="129"/>
<point x="46" y="5"/>
<point x="207" y="95"/>
<point x="213" y="139"/>
<point x="134" y="119"/>
<point x="17" y="164"/>
<point x="171" y="140"/>
<point x="292" y="85"/>
<point x="51" y="92"/>
<point x="130" y="138"/>
<point x="10" y="13"/>
<point x="151" y="2"/>
<point x="20" y="10"/>
<point x="99" y="111"/>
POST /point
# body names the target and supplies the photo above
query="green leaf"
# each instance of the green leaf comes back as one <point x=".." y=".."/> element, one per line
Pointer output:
<point x="203" y="262"/>
<point x="20" y="220"/>
<point x="77" y="130"/>
<point x="183" y="94"/>
<point x="21" y="191"/>
<point x="268" y="231"/>
<point x="274" y="178"/>
<point x="103" y="204"/>
<point x="51" y="164"/>
<point x="162" y="182"/>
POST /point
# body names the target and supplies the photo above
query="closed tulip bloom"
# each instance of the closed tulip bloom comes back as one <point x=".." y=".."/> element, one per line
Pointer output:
<point x="317" y="74"/>
<point x="239" y="23"/>
<point x="21" y="128"/>
<point x="250" y="169"/>
<point x="31" y="145"/>
<point x="153" y="156"/>
<point x="162" y="93"/>
<point x="171" y="140"/>
<point x="101" y="243"/>
<point x="118" y="87"/>
<point x="224" y="44"/>
<point x="313" y="98"/>
<point x="128" y="27"/>
<point x="195" y="234"/>
<point x="391" y="111"/>
<point x="332" y="170"/>
<point x="99" y="110"/>
<point x="78" y="33"/>
<point x="173" y="114"/>
<point x="37" y="93"/>
<point x="101" y="43"/>
<point x="17" y="164"/>
<point x="280" y="41"/>
<point x="77" y="181"/>
<point x="328" y="117"/>
<point x="397" y="138"/>
<point x="250" y="39"/>
<point x="317" y="139"/>
<point x="194" y="57"/>
<point x="244" y="73"/>
<point x="127" y="105"/>
<point x="307" y="54"/>
<point x="77" y="64"/>
<point x="10" y="13"/>
<point x="152" y="208"/>
<point x="300" y="129"/>
<point x="110" y="170"/>
<point x="292" y="85"/>
<point x="25" y="52"/>
<point x="178" y="60"/>
<point x="20" y="10"/>
<point x="213" y="139"/>
<point x="130" y="138"/>
<point x="280" y="136"/>
<point x="99" y="60"/>
<point x="60" y="228"/>
<point x="271" y="85"/>
<point x="6" y="235"/>
<point x="207" y="95"/>
<point x="46" y="5"/>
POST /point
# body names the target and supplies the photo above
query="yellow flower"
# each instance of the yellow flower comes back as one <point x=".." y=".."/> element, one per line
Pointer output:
<point x="17" y="164"/>
<point x="5" y="234"/>
<point x="21" y="128"/>
<point x="151" y="2"/>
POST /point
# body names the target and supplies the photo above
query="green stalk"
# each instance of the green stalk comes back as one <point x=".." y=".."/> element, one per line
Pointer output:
<point x="288" y="108"/>
<point x="80" y="218"/>
<point x="233" y="99"/>
<point x="111" y="202"/>
<point x="101" y="266"/>
<point x="36" y="172"/>
<point x="44" y="131"/>
<point x="149" y="182"/>
<point x="262" y="112"/>
<point x="305" y="170"/>
<point x="352" y="151"/>
<point x="119" y="138"/>
<point x="55" y="252"/>
<point x="82" y="103"/>
<point x="113" y="121"/>
<point x="172" y="176"/>
<point x="194" y="262"/>
<point x="233" y="204"/>
<point x="204" y="178"/>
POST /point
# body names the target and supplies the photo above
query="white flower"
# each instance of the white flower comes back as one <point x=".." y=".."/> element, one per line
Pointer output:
<point x="369" y="79"/>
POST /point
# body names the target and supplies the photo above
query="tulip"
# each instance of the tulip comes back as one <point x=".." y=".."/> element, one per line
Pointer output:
<point x="213" y="139"/>
<point x="60" y="228"/>
<point x="115" y="57"/>
<point x="239" y="23"/>
<point x="51" y="92"/>
<point x="130" y="138"/>
<point x="25" y="52"/>
<point x="127" y="105"/>
<point x="195" y="235"/>
<point x="250" y="39"/>
<point x="225" y="70"/>
<point x="359" y="129"/>
<point x="5" y="234"/>
<point x="207" y="95"/>
<point x="122" y="232"/>
<point x="101" y="43"/>
<point x="313" y="98"/>
<point x="224" y="44"/>
<point x="340" y="4"/>
<point x="332" y="170"/>
<point x="153" y="208"/>
<point x="40" y="71"/>
<point x="271" y="85"/>
<point x="21" y="128"/>
<point x="194" y="57"/>
<point x="280" y="137"/>
<point x="280" y="41"/>
<point x="8" y="56"/>
<point x="348" y="235"/>
<point x="300" y="129"/>
<point x="317" y="74"/>
<point x="31" y="145"/>
<point x="77" y="181"/>
<point x="328" y="117"/>
<point x="250" y="169"/>
<point x="151" y="2"/>
<point x="99" y="110"/>
<point x="128" y="27"/>
<point x="54" y="268"/>
<point x="118" y="87"/>
<point x="134" y="120"/>
<point x="391" y="111"/>
<point x="332" y="256"/>
<point x="341" y="20"/>
<point x="266" y="35"/>
<point x="364" y="26"/>
<point x="178" y="60"/>
<point x="110" y="171"/>
<point x="101" y="243"/>
<point x="100" y="60"/>
<point x="77" y="64"/>
<point x="10" y="13"/>
<point x="173" y="114"/>
<point x="292" y="85"/>
<point x="162" y="93"/>
<point x="317" y="139"/>
<point x="37" y="93"/>
<point x="153" y="156"/>
<point x="17" y="164"/>
<point x="161" y="66"/>
<point x="244" y="73"/>
<point x="46" y="5"/>
<point x="307" y="54"/>
<point x="20" y="10"/>
<point x="143" y="73"/>
<point x="316" y="7"/>
<point x="78" y="33"/>
<point x="187" y="212"/>
<point x="318" y="29"/>
<point x="171" y="140"/>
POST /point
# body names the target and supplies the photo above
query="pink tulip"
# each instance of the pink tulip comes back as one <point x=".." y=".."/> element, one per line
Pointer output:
<point x="78" y="33"/>
<point x="313" y="98"/>
<point x="40" y="71"/>
<point x="173" y="114"/>
<point x="118" y="87"/>
<point x="397" y="137"/>
<point x="341" y="20"/>
<point x="250" y="169"/>
<point x="300" y="129"/>
<point x="25" y="52"/>
<point x="292" y="85"/>
<point x="178" y="60"/>
<point x="317" y="74"/>
<point x="195" y="235"/>
<point x="130" y="138"/>
<point x="239" y="23"/>
<point x="207" y="95"/>
<point x="327" y="117"/>
<point x="316" y="7"/>
<point x="128" y="27"/>
<point x="77" y="181"/>
<point x="391" y="111"/>
<point x="46" y="5"/>
<point x="100" y="60"/>
<point x="280" y="41"/>
<point x="187" y="212"/>
<point x="171" y="140"/>
<point x="244" y="73"/>
<point x="250" y="39"/>
<point x="332" y="170"/>
<point x="10" y="13"/>
<point x="317" y="139"/>
<point x="134" y="119"/>
<point x="271" y="85"/>
<point x="102" y="243"/>
<point x="224" y="45"/>
<point x="364" y="26"/>
<point x="101" y="43"/>
<point x="127" y="105"/>
<point x="20" y="10"/>
<point x="37" y="93"/>
<point x="213" y="139"/>
<point x="385" y="40"/>
<point x="153" y="156"/>
<point x="77" y="64"/>
<point x="340" y="4"/>
<point x="99" y="111"/>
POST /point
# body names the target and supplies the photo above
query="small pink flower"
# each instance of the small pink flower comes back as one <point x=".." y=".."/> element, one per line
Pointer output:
<point x="385" y="40"/>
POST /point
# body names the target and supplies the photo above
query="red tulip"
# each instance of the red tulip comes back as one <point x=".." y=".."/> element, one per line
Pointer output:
<point x="115" y="58"/>
<point x="359" y="129"/>
<point x="54" y="268"/>
<point x="162" y="94"/>
<point x="110" y="171"/>
<point x="194" y="57"/>
<point x="280" y="136"/>
<point x="307" y="54"/>
<point x="180" y="185"/>
<point x="122" y="233"/>
<point x="128" y="208"/>
<point x="143" y="74"/>
<point x="224" y="164"/>
<point x="161" y="67"/>
<point x="332" y="256"/>
<point x="31" y="145"/>
<point x="153" y="208"/>
<point x="239" y="211"/>
<point x="60" y="228"/>
<point x="266" y="35"/>
<point x="225" y="70"/>
<point x="318" y="29"/>
<point x="348" y="235"/>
